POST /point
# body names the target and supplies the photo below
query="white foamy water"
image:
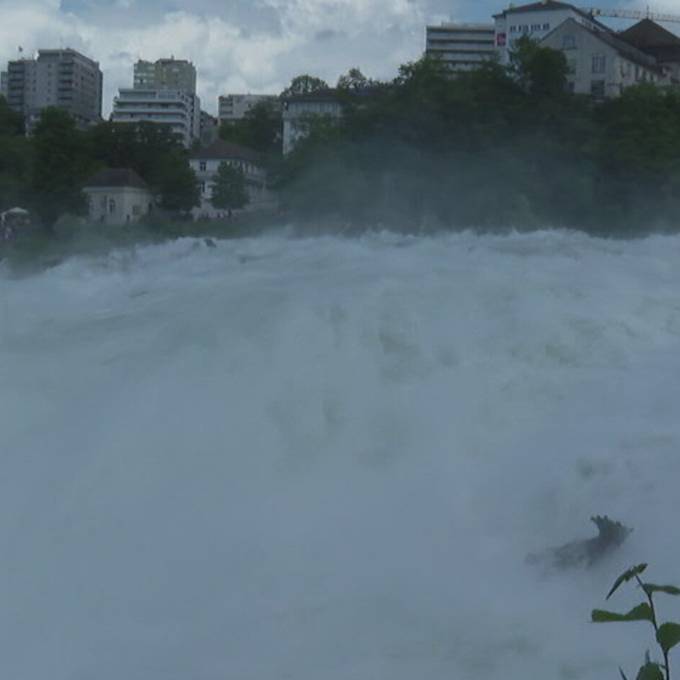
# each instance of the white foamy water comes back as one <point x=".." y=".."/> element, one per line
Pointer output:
<point x="327" y="459"/>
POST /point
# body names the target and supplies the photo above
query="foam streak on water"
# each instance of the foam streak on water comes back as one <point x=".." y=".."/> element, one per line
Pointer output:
<point x="327" y="459"/>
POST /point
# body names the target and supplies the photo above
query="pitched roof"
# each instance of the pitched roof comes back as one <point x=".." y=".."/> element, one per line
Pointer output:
<point x="117" y="177"/>
<point x="547" y="6"/>
<point x="609" y="38"/>
<point x="221" y="150"/>
<point x="648" y="33"/>
<point x="653" y="39"/>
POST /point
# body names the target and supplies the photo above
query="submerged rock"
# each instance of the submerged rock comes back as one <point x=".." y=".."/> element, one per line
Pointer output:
<point x="587" y="551"/>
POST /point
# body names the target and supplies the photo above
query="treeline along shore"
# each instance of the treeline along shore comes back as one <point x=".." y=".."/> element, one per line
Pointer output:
<point x="495" y="148"/>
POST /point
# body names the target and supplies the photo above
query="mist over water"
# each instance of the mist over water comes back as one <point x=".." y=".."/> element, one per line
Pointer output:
<point x="329" y="458"/>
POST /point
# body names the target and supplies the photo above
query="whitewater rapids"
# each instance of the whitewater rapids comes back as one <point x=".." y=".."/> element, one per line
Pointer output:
<point x="326" y="459"/>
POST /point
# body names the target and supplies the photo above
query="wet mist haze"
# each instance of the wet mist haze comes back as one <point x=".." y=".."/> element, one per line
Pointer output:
<point x="329" y="457"/>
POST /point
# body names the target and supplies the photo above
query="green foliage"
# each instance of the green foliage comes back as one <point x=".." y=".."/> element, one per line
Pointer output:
<point x="177" y="183"/>
<point x="540" y="71"/>
<point x="667" y="634"/>
<point x="625" y="577"/>
<point x="259" y="129"/>
<point x="60" y="165"/>
<point x="643" y="612"/>
<point x="304" y="84"/>
<point x="229" y="191"/>
<point x="494" y="147"/>
<point x="154" y="152"/>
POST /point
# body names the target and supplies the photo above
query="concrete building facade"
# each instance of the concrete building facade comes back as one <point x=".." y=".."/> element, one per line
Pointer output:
<point x="178" y="109"/>
<point x="462" y="47"/>
<point x="165" y="74"/>
<point x="63" y="78"/>
<point x="232" y="107"/>
<point x="600" y="63"/>
<point x="300" y="109"/>
<point x="206" y="163"/>
<point x="536" y="20"/>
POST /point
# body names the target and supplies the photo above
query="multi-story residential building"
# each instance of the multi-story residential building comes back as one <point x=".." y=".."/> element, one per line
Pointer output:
<point x="63" y="78"/>
<point x="209" y="129"/>
<point x="461" y="46"/>
<point x="536" y="20"/>
<point x="206" y="163"/>
<point x="233" y="107"/>
<point x="298" y="110"/>
<point x="656" y="41"/>
<point x="165" y="74"/>
<point x="178" y="109"/>
<point x="601" y="64"/>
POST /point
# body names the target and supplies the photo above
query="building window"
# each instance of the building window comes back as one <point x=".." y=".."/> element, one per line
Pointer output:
<point x="571" y="87"/>
<point x="203" y="166"/>
<point x="112" y="206"/>
<point x="597" y="88"/>
<point x="525" y="28"/>
<point x="599" y="63"/>
<point x="203" y="188"/>
<point x="513" y="29"/>
<point x="546" y="27"/>
<point x="568" y="42"/>
<point x="535" y="27"/>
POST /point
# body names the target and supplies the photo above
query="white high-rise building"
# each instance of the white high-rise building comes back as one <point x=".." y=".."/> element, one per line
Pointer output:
<point x="178" y="109"/>
<point x="233" y="107"/>
<point x="62" y="78"/>
<point x="462" y="47"/>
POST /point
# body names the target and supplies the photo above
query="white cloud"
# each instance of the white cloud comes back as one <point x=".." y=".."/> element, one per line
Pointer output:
<point x="323" y="37"/>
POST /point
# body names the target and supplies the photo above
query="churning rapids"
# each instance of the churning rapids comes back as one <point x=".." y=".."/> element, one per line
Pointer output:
<point x="326" y="459"/>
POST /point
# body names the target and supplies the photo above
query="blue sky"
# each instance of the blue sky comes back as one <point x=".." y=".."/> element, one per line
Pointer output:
<point x="243" y="45"/>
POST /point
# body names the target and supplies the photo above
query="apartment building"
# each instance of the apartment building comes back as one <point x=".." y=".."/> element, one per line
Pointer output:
<point x="178" y="109"/>
<point x="165" y="74"/>
<point x="232" y="107"/>
<point x="462" y="47"/>
<point x="62" y="78"/>
<point x="601" y="64"/>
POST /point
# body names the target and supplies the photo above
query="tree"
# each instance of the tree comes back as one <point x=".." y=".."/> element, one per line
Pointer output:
<point x="304" y="84"/>
<point x="177" y="183"/>
<point x="229" y="192"/>
<point x="11" y="122"/>
<point x="60" y="166"/>
<point x="540" y="71"/>
<point x="354" y="79"/>
<point x="259" y="129"/>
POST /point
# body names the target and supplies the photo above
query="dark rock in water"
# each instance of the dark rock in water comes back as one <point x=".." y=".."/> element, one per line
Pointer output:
<point x="588" y="551"/>
<point x="210" y="243"/>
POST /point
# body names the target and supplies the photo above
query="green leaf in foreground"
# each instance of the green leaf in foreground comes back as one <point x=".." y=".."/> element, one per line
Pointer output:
<point x="668" y="636"/>
<point x="626" y="576"/>
<point x="650" y="671"/>
<point x="643" y="612"/>
<point x="650" y="588"/>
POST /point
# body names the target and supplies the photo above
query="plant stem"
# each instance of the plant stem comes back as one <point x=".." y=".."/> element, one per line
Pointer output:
<point x="655" y="624"/>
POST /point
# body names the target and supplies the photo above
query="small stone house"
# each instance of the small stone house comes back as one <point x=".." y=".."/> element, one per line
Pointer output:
<point x="117" y="196"/>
